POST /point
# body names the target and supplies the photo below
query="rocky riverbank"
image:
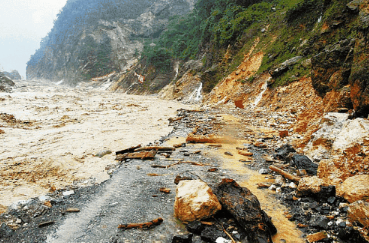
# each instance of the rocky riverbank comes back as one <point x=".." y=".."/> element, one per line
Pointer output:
<point x="209" y="144"/>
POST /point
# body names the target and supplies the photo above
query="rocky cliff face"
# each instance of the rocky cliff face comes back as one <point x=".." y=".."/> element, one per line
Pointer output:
<point x="96" y="38"/>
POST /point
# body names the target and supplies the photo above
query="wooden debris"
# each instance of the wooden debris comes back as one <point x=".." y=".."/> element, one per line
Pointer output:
<point x="128" y="150"/>
<point x="158" y="148"/>
<point x="245" y="153"/>
<point x="264" y="185"/>
<point x="72" y="210"/>
<point x="175" y="119"/>
<point x="212" y="169"/>
<point x="317" y="237"/>
<point x="268" y="158"/>
<point x="177" y="145"/>
<point x="207" y="223"/>
<point x="165" y="190"/>
<point x="44" y="224"/>
<point x="179" y="162"/>
<point x="153" y="174"/>
<point x="197" y="152"/>
<point x="299" y="225"/>
<point x="191" y="138"/>
<point x="215" y="145"/>
<point x="145" y="225"/>
<point x="228" y="234"/>
<point x="137" y="155"/>
<point x="285" y="174"/>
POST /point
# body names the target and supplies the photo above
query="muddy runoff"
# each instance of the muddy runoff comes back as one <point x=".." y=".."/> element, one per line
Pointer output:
<point x="54" y="136"/>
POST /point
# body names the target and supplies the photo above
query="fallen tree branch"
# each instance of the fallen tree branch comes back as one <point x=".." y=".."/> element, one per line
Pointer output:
<point x="145" y="225"/>
<point x="159" y="148"/>
<point x="180" y="162"/>
<point x="285" y="174"/>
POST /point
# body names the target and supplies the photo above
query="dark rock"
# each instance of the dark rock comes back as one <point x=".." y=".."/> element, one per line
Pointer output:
<point x="320" y="222"/>
<point x="331" y="200"/>
<point x="283" y="67"/>
<point x="186" y="175"/>
<point x="212" y="233"/>
<point x="303" y="162"/>
<point x="182" y="238"/>
<point x="5" y="231"/>
<point x="245" y="208"/>
<point x="228" y="153"/>
<point x="283" y="152"/>
<point x="195" y="227"/>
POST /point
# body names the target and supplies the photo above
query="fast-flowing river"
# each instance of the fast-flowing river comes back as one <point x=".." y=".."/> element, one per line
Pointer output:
<point x="51" y="134"/>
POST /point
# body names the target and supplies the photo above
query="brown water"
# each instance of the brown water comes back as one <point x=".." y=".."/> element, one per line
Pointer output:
<point x="287" y="230"/>
<point x="58" y="130"/>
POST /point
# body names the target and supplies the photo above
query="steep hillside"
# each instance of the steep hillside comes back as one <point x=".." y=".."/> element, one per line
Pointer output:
<point x="93" y="38"/>
<point x="235" y="43"/>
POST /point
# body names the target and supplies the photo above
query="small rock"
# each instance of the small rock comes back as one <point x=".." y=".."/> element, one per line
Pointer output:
<point x="228" y="153"/>
<point x="359" y="212"/>
<point x="103" y="153"/>
<point x="292" y="185"/>
<point x="68" y="193"/>
<point x="211" y="234"/>
<point x="222" y="240"/>
<point x="182" y="238"/>
<point x="195" y="227"/>
<point x="165" y="190"/>
<point x="213" y="170"/>
<point x="264" y="171"/>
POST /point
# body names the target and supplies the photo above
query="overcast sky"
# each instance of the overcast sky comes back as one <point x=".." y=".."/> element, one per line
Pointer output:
<point x="23" y="23"/>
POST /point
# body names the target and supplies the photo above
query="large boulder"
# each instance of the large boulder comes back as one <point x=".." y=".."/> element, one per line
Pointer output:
<point x="245" y="208"/>
<point x="354" y="188"/>
<point x="195" y="201"/>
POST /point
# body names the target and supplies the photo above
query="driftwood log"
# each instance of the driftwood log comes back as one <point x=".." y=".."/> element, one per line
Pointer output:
<point x="145" y="225"/>
<point x="285" y="174"/>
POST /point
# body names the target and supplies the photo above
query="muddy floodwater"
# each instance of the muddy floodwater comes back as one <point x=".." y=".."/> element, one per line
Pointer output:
<point x="53" y="136"/>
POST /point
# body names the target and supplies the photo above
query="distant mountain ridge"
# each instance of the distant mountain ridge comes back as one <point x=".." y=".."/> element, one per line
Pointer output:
<point x="93" y="38"/>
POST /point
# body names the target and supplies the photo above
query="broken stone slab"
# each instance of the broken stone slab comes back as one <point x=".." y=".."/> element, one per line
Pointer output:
<point x="245" y="208"/>
<point x="303" y="162"/>
<point x="195" y="201"/>
<point x="186" y="175"/>
<point x="354" y="188"/>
